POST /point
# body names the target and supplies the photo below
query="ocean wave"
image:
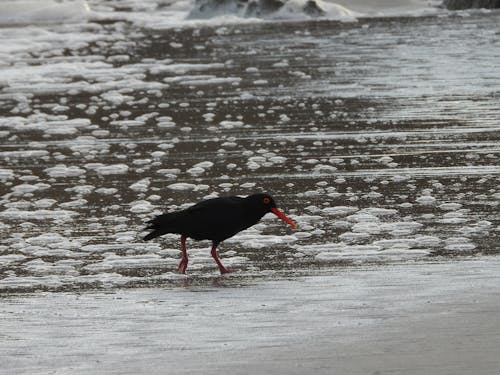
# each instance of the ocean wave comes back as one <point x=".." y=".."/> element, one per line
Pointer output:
<point x="164" y="14"/>
<point x="203" y="9"/>
<point x="344" y="10"/>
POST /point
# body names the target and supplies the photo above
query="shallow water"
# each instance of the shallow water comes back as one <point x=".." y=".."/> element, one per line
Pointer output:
<point x="379" y="137"/>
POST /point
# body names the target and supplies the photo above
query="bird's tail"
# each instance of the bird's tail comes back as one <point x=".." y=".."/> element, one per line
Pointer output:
<point x="161" y="225"/>
<point x="151" y="235"/>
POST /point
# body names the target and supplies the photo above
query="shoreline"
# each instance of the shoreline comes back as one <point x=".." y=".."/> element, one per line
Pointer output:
<point x="405" y="318"/>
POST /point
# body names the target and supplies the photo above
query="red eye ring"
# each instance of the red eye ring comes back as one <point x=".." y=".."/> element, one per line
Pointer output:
<point x="266" y="200"/>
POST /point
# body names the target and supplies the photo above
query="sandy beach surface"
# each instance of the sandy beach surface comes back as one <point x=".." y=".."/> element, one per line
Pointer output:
<point x="438" y="318"/>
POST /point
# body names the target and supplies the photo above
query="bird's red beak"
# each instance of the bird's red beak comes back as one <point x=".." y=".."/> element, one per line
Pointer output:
<point x="283" y="217"/>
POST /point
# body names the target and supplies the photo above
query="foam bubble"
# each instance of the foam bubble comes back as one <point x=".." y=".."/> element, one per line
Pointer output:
<point x="106" y="191"/>
<point x="141" y="206"/>
<point x="226" y="124"/>
<point x="28" y="188"/>
<point x="141" y="185"/>
<point x="459" y="244"/>
<point x="44" y="203"/>
<point x="105" y="170"/>
<point x="181" y="186"/>
<point x="200" y="168"/>
<point x="61" y="170"/>
<point x="450" y="206"/>
<point x="339" y="210"/>
<point x="81" y="189"/>
<point x="16" y="214"/>
<point x="426" y="200"/>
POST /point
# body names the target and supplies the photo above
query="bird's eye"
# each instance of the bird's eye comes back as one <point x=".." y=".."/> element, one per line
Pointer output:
<point x="266" y="200"/>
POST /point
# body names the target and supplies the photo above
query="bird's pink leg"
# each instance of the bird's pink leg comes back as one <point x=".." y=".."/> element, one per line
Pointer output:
<point x="184" y="262"/>
<point x="222" y="269"/>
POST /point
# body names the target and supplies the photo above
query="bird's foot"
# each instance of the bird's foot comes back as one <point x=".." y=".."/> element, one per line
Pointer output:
<point x="183" y="266"/>
<point x="224" y="270"/>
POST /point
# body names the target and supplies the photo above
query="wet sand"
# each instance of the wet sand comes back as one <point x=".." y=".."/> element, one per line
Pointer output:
<point x="438" y="318"/>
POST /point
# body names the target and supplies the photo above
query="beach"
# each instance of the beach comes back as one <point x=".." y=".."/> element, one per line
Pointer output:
<point x="374" y="128"/>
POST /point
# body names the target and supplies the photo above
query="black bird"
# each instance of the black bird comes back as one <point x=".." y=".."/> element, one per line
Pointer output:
<point x="214" y="219"/>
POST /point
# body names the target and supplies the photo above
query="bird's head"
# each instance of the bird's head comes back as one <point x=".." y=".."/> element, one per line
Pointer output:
<point x="266" y="203"/>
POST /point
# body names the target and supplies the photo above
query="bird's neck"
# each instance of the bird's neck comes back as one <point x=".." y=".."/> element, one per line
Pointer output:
<point x="253" y="215"/>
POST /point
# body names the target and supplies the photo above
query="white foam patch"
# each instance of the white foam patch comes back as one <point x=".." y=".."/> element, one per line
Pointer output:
<point x="116" y="98"/>
<point x="106" y="191"/>
<point x="21" y="282"/>
<point x="87" y="144"/>
<point x="367" y="228"/>
<point x="23" y="154"/>
<point x="181" y="69"/>
<point x="459" y="244"/>
<point x="105" y="279"/>
<point x="11" y="259"/>
<point x="211" y="81"/>
<point x="169" y="172"/>
<point x="454" y="217"/>
<point x="452" y="206"/>
<point x="105" y="170"/>
<point x="44" y="203"/>
<point x="73" y="77"/>
<point x="141" y="186"/>
<point x="26" y="188"/>
<point x="74" y="203"/>
<point x="181" y="186"/>
<point x="38" y="267"/>
<point x="141" y="206"/>
<point x="81" y="189"/>
<point x="113" y="261"/>
<point x="53" y="240"/>
<point x="62" y="170"/>
<point x="165" y="122"/>
<point x="293" y="9"/>
<point x="379" y="250"/>
<point x="363" y="217"/>
<point x="200" y="168"/>
<point x="52" y="125"/>
<point x="43" y="11"/>
<point x="378" y="211"/>
<point x="15" y="214"/>
<point x="227" y="124"/>
<point x="426" y="200"/>
<point x="6" y="174"/>
<point x="349" y="252"/>
<point x="428" y="241"/>
<point x="127" y="123"/>
<point x="253" y="238"/>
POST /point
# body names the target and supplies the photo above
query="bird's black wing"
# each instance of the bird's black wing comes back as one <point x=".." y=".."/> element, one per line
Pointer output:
<point x="215" y="219"/>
